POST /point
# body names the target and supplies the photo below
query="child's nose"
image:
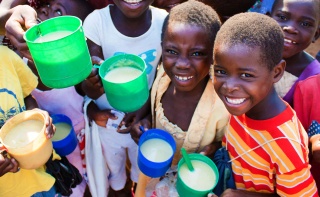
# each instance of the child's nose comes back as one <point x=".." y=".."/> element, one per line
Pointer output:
<point x="290" y="28"/>
<point x="230" y="85"/>
<point x="182" y="62"/>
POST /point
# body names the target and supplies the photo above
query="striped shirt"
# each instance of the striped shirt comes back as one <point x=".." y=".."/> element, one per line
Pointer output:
<point x="270" y="156"/>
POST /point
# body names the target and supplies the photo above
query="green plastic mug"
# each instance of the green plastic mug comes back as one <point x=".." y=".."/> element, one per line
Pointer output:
<point x="60" y="52"/>
<point x="195" y="187"/>
<point x="125" y="82"/>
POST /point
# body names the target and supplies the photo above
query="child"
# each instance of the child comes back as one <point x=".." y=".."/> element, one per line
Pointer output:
<point x="268" y="146"/>
<point x="65" y="101"/>
<point x="183" y="99"/>
<point x="125" y="27"/>
<point x="306" y="105"/>
<point x="299" y="21"/>
<point x="17" y="81"/>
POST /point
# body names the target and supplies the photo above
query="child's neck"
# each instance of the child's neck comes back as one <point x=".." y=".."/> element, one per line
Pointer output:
<point x="268" y="108"/>
<point x="297" y="63"/>
<point x="131" y="27"/>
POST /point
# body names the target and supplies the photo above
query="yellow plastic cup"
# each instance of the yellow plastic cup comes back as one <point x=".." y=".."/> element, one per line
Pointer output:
<point x="30" y="154"/>
<point x="60" y="52"/>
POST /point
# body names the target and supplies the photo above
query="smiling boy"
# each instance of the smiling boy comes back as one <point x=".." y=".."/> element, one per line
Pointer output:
<point x="267" y="144"/>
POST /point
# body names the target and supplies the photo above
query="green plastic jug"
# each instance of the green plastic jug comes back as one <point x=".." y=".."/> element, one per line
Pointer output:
<point x="60" y="52"/>
<point x="187" y="188"/>
<point x="127" y="87"/>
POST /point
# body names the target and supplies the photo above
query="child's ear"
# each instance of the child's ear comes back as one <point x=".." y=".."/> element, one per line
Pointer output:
<point x="317" y="34"/>
<point x="278" y="71"/>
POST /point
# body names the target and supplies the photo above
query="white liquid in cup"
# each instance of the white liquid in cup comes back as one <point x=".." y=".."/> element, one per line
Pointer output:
<point x="62" y="130"/>
<point x="122" y="74"/>
<point x="201" y="179"/>
<point x="156" y="150"/>
<point x="23" y="133"/>
<point x="52" y="36"/>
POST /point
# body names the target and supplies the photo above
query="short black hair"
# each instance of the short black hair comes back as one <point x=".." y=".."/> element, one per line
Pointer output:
<point x="194" y="13"/>
<point x="256" y="31"/>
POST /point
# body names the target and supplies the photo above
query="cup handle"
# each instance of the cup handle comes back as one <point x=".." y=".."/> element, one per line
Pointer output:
<point x="96" y="66"/>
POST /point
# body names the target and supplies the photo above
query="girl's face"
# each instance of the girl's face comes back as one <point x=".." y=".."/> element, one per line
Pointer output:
<point x="240" y="80"/>
<point x="133" y="8"/>
<point x="299" y="21"/>
<point x="167" y="4"/>
<point x="56" y="8"/>
<point x="186" y="55"/>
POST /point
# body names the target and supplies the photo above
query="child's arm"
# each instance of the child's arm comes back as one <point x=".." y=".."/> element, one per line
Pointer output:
<point x="92" y="86"/>
<point x="23" y="16"/>
<point x="99" y="116"/>
<point x="315" y="144"/>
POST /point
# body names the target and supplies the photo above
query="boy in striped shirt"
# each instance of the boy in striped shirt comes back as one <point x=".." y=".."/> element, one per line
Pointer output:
<point x="267" y="145"/>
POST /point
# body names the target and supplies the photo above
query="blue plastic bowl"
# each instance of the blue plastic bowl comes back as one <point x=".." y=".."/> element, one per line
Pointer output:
<point x="66" y="145"/>
<point x="150" y="168"/>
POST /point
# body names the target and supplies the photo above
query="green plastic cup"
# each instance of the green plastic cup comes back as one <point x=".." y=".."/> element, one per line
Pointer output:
<point x="191" y="186"/>
<point x="125" y="82"/>
<point x="60" y="52"/>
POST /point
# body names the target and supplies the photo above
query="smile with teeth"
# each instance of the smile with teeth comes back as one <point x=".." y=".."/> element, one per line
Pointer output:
<point x="289" y="41"/>
<point x="132" y="1"/>
<point x="235" y="101"/>
<point x="183" y="78"/>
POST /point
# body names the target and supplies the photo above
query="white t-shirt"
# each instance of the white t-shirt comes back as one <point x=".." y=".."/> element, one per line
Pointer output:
<point x="99" y="28"/>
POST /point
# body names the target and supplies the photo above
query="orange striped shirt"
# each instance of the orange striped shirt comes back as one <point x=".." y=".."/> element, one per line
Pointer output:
<point x="270" y="156"/>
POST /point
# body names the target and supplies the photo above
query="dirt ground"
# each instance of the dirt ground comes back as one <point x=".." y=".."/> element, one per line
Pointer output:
<point x="314" y="48"/>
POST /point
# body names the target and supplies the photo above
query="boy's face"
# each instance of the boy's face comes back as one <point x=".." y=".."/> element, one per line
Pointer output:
<point x="299" y="21"/>
<point x="56" y="8"/>
<point x="167" y="4"/>
<point x="133" y="8"/>
<point x="240" y="79"/>
<point x="186" y="55"/>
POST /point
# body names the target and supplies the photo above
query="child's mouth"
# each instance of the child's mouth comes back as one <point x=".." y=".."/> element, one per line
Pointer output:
<point x="132" y="1"/>
<point x="237" y="101"/>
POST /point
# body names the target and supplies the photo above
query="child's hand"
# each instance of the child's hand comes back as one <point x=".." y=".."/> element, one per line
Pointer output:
<point x="92" y="86"/>
<point x="7" y="164"/>
<point x="50" y="128"/>
<point x="99" y="116"/>
<point x="128" y="120"/>
<point x="136" y="129"/>
<point x="315" y="142"/>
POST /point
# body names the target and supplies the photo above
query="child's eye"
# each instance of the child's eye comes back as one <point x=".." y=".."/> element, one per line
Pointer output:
<point x="306" y="24"/>
<point x="171" y="52"/>
<point x="219" y="72"/>
<point x="281" y="16"/>
<point x="246" y="75"/>
<point x="197" y="54"/>
<point x="58" y="12"/>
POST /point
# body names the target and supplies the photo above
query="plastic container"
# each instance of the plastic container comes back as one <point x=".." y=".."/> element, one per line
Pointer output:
<point x="66" y="141"/>
<point x="154" y="168"/>
<point x="127" y="96"/>
<point x="61" y="56"/>
<point x="33" y="153"/>
<point x="183" y="188"/>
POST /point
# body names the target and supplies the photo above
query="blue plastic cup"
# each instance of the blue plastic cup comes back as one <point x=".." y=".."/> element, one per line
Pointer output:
<point x="64" y="140"/>
<point x="155" y="167"/>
